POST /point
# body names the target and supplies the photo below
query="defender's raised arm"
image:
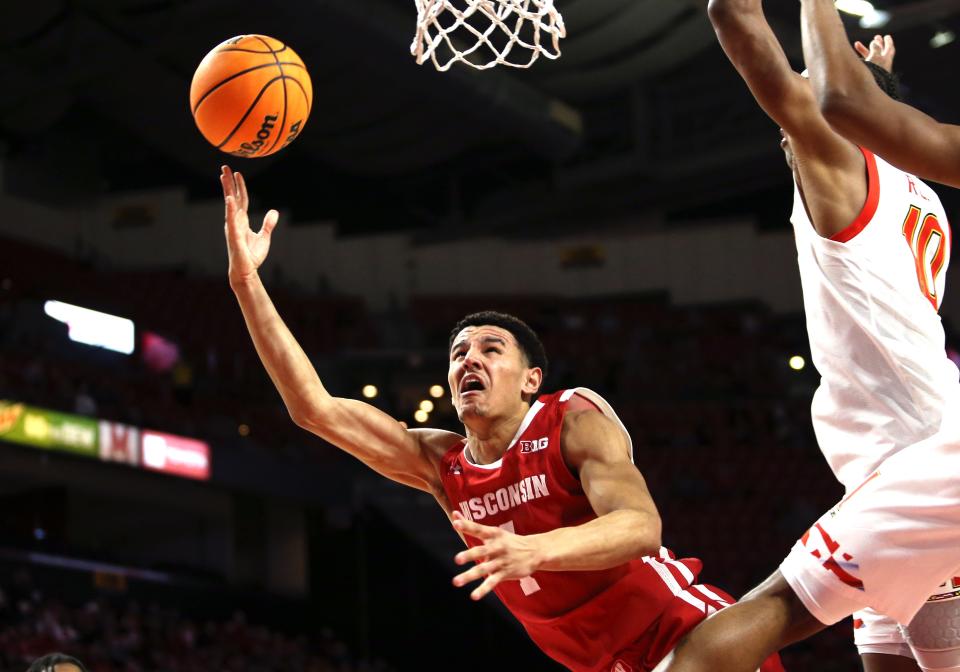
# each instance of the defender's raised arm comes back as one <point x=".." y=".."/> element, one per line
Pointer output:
<point x="853" y="104"/>
<point x="357" y="428"/>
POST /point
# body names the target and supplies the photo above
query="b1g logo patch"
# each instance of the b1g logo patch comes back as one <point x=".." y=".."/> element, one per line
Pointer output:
<point x="534" y="446"/>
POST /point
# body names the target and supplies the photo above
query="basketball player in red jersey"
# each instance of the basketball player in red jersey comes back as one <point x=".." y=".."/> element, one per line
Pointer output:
<point x="873" y="280"/>
<point x="544" y="491"/>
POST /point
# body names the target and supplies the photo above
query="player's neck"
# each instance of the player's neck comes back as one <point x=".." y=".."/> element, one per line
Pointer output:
<point x="488" y="439"/>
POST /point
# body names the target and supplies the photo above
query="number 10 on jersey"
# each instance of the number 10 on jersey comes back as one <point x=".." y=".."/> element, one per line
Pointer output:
<point x="929" y="246"/>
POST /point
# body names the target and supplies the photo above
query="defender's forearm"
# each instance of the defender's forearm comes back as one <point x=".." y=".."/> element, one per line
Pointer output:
<point x="836" y="72"/>
<point x="608" y="541"/>
<point x="285" y="361"/>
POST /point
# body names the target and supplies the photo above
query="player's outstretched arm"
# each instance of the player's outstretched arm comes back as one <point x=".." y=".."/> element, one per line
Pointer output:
<point x="853" y="104"/>
<point x="627" y="526"/>
<point x="830" y="167"/>
<point x="756" y="53"/>
<point x="357" y="428"/>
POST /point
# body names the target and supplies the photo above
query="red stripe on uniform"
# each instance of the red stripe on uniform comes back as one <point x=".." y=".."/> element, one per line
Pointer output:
<point x="869" y="206"/>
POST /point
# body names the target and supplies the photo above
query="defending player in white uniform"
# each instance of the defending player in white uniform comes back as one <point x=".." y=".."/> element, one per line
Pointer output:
<point x="873" y="277"/>
<point x="871" y="295"/>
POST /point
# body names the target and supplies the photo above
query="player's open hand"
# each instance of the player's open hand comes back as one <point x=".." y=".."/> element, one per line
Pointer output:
<point x="246" y="249"/>
<point x="502" y="556"/>
<point x="881" y="51"/>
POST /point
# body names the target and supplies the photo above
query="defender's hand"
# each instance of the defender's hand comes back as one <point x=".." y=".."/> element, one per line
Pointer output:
<point x="881" y="51"/>
<point x="503" y="556"/>
<point x="246" y="249"/>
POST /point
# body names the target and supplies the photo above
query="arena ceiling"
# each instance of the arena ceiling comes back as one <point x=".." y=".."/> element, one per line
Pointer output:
<point x="642" y="111"/>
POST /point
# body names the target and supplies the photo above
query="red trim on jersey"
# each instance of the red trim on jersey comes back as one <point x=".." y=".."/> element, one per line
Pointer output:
<point x="869" y="206"/>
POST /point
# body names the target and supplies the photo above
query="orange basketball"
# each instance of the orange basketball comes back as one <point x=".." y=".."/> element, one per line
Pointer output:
<point x="251" y="96"/>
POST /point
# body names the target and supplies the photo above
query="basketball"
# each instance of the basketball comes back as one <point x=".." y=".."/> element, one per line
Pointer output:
<point x="251" y="96"/>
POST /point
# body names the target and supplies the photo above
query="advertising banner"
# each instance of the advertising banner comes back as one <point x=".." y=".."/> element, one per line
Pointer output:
<point x="119" y="443"/>
<point x="175" y="455"/>
<point x="37" y="427"/>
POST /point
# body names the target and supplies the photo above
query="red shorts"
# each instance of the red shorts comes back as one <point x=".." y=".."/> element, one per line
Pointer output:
<point x="675" y="622"/>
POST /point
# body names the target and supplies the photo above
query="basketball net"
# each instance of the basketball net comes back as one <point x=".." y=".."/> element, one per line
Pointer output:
<point x="486" y="33"/>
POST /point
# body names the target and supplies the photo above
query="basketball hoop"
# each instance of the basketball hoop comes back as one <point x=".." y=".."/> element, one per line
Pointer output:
<point x="486" y="33"/>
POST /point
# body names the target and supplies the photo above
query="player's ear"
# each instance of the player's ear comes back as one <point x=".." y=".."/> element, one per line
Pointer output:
<point x="533" y="380"/>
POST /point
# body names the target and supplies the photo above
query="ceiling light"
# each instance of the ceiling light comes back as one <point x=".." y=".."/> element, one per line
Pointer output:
<point x="876" y="19"/>
<point x="942" y="38"/>
<point x="856" y="7"/>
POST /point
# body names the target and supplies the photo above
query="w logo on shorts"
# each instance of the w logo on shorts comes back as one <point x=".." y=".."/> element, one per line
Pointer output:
<point x="822" y="546"/>
<point x="620" y="666"/>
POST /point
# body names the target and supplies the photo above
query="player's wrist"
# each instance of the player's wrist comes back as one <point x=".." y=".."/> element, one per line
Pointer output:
<point x="543" y="551"/>
<point x="243" y="281"/>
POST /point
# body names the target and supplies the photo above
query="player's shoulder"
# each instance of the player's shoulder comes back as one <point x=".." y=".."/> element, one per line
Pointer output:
<point x="590" y="423"/>
<point x="437" y="443"/>
<point x="574" y="399"/>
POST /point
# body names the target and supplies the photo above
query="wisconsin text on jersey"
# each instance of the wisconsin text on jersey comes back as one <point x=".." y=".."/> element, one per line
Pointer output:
<point x="504" y="499"/>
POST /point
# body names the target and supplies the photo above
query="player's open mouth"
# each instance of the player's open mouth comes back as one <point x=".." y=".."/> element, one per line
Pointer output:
<point x="471" y="383"/>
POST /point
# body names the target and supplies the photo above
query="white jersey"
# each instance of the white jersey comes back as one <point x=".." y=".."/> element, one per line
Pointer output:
<point x="871" y="295"/>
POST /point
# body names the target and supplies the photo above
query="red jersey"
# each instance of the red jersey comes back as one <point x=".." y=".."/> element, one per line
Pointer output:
<point x="624" y="618"/>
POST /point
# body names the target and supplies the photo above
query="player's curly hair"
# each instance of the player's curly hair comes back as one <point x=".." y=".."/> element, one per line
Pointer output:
<point x="888" y="82"/>
<point x="49" y="662"/>
<point x="526" y="337"/>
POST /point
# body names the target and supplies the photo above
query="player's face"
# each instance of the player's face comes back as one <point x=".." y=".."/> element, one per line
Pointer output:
<point x="488" y="373"/>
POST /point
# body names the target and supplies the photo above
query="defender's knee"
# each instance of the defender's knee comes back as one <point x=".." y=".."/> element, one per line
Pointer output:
<point x="934" y="636"/>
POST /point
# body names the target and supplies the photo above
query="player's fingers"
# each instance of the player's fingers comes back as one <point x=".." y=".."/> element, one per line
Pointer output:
<point x="474" y="529"/>
<point x="888" y="45"/>
<point x="861" y="49"/>
<point x="226" y="181"/>
<point x="488" y="585"/>
<point x="475" y="573"/>
<point x="471" y="555"/>
<point x="242" y="192"/>
<point x="270" y="222"/>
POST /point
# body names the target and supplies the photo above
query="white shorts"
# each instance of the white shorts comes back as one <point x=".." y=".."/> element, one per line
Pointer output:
<point x="891" y="542"/>
<point x="876" y="633"/>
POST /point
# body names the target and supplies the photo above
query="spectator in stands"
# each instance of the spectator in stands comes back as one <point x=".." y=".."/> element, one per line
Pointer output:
<point x="57" y="662"/>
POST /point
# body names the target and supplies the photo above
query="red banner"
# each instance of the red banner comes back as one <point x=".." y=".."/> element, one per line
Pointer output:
<point x="176" y="455"/>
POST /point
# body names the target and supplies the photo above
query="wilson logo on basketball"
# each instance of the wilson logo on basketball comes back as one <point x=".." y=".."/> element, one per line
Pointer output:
<point x="9" y="414"/>
<point x="266" y="130"/>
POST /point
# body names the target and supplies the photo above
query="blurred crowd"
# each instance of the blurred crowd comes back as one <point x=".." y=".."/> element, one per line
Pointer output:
<point x="119" y="634"/>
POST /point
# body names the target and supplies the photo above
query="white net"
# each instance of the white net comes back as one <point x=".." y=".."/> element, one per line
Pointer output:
<point x="485" y="33"/>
